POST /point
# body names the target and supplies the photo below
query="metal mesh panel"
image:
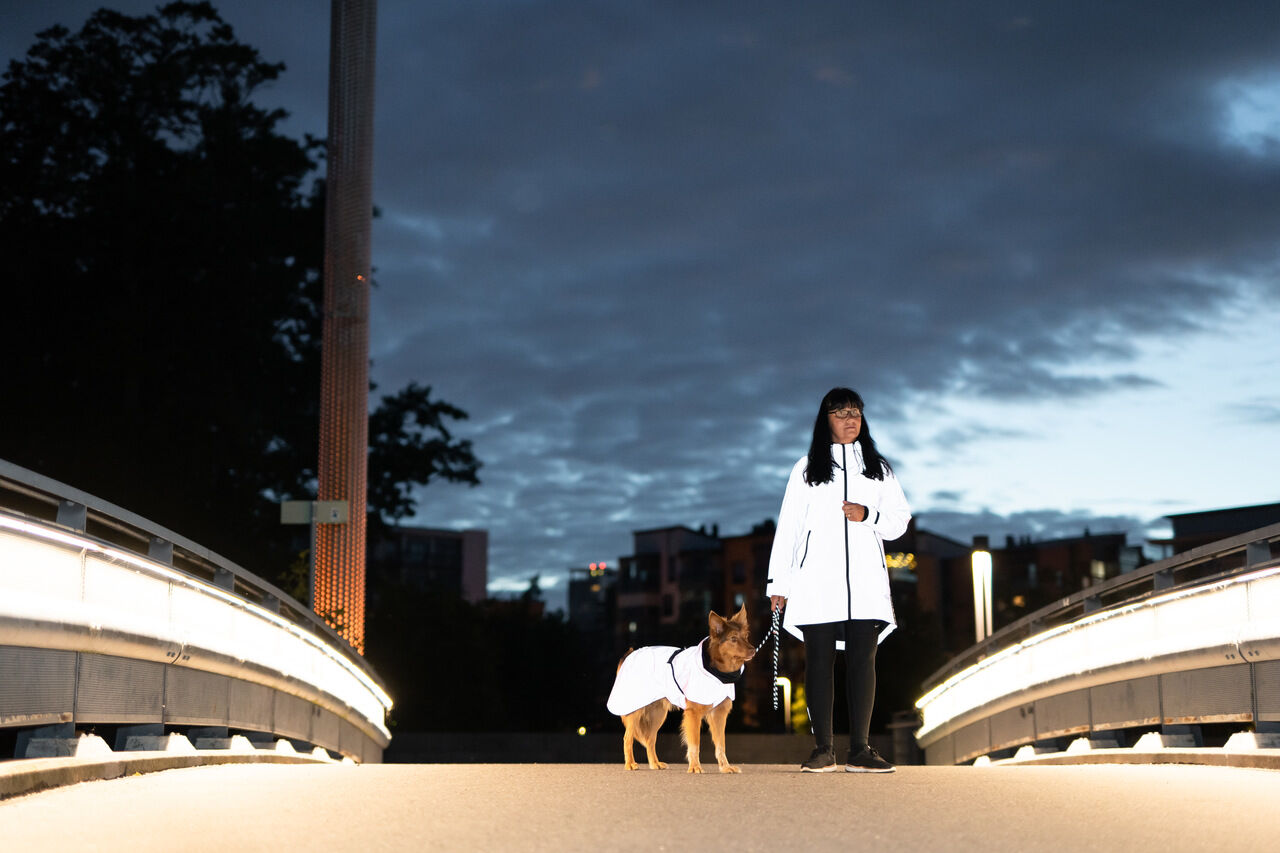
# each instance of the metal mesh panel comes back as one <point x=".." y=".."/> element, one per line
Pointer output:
<point x="941" y="751"/>
<point x="1064" y="714"/>
<point x="1215" y="695"/>
<point x="973" y="740"/>
<point x="292" y="716"/>
<point x="249" y="706"/>
<point x="1013" y="727"/>
<point x="324" y="729"/>
<point x="1266" y="684"/>
<point x="372" y="753"/>
<point x="119" y="690"/>
<point x="1125" y="703"/>
<point x="344" y="386"/>
<point x="36" y="685"/>
<point x="194" y="697"/>
<point x="350" y="739"/>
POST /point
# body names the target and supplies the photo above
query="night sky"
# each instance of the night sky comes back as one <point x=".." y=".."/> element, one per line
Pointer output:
<point x="637" y="242"/>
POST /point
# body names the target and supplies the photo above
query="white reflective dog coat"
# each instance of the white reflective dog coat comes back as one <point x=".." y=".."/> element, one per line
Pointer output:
<point x="652" y="672"/>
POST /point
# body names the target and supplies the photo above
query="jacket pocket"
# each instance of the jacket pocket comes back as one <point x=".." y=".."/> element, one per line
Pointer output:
<point x="807" y="533"/>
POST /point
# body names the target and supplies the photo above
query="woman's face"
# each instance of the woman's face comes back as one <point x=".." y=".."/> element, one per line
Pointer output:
<point x="845" y="423"/>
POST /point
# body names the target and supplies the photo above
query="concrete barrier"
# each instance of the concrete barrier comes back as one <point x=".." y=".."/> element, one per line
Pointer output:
<point x="27" y="776"/>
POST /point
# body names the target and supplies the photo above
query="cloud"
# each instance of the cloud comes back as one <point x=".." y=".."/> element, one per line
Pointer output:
<point x="637" y="244"/>
<point x="1260" y="410"/>
<point x="673" y="273"/>
<point x="1038" y="525"/>
<point x="834" y="75"/>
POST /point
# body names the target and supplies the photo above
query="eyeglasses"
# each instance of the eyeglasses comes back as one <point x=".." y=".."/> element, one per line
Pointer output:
<point x="845" y="414"/>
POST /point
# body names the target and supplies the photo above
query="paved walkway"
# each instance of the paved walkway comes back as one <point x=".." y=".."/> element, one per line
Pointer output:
<point x="558" y="807"/>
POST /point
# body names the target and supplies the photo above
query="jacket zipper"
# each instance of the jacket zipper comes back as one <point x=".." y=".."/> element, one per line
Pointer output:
<point x="848" y="584"/>
<point x="806" y="548"/>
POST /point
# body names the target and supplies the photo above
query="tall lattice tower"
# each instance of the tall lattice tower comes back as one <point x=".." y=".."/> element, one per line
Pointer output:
<point x="344" y="384"/>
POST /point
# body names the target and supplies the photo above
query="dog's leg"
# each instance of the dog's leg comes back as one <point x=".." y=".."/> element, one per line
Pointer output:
<point x="691" y="732"/>
<point x="654" y="715"/>
<point x="630" y="721"/>
<point x="715" y="722"/>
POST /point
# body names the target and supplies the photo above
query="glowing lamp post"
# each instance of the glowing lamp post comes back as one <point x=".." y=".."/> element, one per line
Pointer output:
<point x="785" y="683"/>
<point x="981" y="589"/>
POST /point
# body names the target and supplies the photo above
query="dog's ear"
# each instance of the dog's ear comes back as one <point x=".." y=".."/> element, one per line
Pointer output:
<point x="740" y="618"/>
<point x="716" y="622"/>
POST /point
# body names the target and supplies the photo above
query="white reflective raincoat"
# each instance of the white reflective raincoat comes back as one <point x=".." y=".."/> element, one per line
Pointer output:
<point x="652" y="672"/>
<point x="830" y="569"/>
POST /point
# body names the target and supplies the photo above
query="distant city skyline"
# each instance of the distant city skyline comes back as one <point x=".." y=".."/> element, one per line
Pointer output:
<point x="637" y="243"/>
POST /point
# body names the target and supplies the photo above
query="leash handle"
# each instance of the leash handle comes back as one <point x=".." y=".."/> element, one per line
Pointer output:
<point x="774" y="632"/>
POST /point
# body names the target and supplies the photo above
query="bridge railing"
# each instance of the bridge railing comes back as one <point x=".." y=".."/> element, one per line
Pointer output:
<point x="1191" y="639"/>
<point x="106" y="617"/>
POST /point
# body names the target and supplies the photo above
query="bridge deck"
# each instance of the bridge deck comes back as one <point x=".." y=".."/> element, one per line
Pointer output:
<point x="558" y="807"/>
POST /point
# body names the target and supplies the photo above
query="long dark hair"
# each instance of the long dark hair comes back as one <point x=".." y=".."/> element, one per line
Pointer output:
<point x="821" y="466"/>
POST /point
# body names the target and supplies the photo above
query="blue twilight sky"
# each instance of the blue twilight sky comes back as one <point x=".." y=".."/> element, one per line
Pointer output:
<point x="638" y="241"/>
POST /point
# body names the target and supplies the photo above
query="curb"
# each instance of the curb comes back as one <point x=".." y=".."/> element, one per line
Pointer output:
<point x="29" y="775"/>
<point x="1269" y="760"/>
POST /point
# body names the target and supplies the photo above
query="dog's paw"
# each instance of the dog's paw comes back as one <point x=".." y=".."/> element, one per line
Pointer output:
<point x="661" y="765"/>
<point x="695" y="768"/>
<point x="631" y="765"/>
<point x="729" y="768"/>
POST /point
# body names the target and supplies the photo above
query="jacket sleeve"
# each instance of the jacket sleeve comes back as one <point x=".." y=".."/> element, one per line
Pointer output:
<point x="890" y="518"/>
<point x="785" y="556"/>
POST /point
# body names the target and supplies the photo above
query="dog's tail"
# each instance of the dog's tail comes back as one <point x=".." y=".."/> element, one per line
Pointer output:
<point x="624" y="657"/>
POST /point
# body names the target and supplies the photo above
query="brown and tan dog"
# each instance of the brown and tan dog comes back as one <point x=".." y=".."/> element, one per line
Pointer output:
<point x="654" y="680"/>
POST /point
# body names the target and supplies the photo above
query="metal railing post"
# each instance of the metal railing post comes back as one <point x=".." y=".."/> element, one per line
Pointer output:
<point x="73" y="515"/>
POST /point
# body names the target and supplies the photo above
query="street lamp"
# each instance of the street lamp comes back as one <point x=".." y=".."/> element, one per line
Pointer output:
<point x="981" y="589"/>
<point x="785" y="683"/>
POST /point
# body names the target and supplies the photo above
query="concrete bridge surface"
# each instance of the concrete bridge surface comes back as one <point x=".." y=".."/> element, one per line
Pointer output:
<point x="559" y="807"/>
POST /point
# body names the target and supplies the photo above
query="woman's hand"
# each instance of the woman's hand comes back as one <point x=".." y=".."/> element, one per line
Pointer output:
<point x="854" y="512"/>
<point x="776" y="603"/>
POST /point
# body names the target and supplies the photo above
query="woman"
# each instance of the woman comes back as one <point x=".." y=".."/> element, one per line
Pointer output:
<point x="827" y="569"/>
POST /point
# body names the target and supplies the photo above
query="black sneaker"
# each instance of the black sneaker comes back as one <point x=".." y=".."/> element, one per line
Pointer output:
<point x="823" y="760"/>
<point x="866" y="760"/>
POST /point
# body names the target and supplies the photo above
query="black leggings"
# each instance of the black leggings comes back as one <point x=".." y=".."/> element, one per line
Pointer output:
<point x="859" y="637"/>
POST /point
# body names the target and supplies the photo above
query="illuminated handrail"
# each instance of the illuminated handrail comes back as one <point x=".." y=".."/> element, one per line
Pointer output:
<point x="1210" y="609"/>
<point x="1231" y="621"/>
<point x="174" y="602"/>
<point x="1203" y="565"/>
<point x="75" y="508"/>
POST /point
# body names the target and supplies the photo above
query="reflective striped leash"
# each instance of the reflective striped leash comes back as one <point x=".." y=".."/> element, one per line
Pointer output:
<point x="773" y="632"/>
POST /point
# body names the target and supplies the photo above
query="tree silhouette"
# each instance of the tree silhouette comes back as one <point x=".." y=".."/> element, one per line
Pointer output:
<point x="163" y="248"/>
